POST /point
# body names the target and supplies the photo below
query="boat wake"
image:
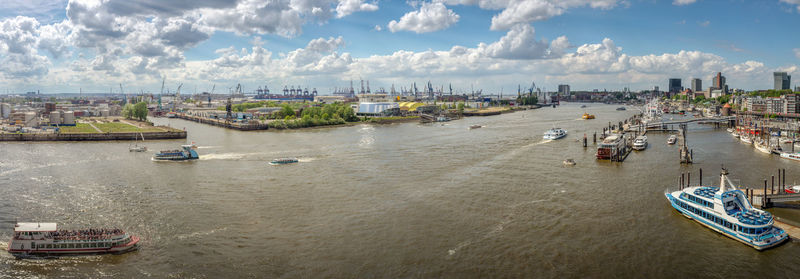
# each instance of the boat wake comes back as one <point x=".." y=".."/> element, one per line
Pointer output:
<point x="208" y="147"/>
<point x="196" y="234"/>
<point x="226" y="156"/>
<point x="543" y="141"/>
<point x="305" y="159"/>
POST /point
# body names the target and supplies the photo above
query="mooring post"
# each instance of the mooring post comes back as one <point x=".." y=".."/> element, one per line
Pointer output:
<point x="772" y="186"/>
<point x="584" y="140"/>
<point x="688" y="178"/>
<point x="701" y="177"/>
<point x="764" y="198"/>
<point x="594" y="138"/>
<point x="682" y="176"/>
<point x="783" y="180"/>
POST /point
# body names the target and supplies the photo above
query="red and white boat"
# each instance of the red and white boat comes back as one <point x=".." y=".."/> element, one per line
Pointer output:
<point x="793" y="189"/>
<point x="45" y="239"/>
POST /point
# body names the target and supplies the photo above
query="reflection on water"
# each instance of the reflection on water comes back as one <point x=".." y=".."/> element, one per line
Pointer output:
<point x="399" y="200"/>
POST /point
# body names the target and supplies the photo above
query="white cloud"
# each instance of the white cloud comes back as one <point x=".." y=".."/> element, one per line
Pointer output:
<point x="377" y="28"/>
<point x="19" y="57"/>
<point x="797" y="52"/>
<point x="347" y="7"/>
<point x="704" y="23"/>
<point x="683" y="2"/>
<point x="793" y="2"/>
<point x="518" y="43"/>
<point x="524" y="11"/>
<point x="430" y="17"/>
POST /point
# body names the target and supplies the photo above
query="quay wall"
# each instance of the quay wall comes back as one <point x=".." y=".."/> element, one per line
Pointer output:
<point x="93" y="136"/>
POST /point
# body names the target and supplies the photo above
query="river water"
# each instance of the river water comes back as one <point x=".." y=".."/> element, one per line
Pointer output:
<point x="399" y="200"/>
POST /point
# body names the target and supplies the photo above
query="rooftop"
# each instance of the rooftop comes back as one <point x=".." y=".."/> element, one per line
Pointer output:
<point x="35" y="227"/>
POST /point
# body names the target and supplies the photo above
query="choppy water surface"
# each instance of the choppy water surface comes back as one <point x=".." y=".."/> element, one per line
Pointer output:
<point x="401" y="200"/>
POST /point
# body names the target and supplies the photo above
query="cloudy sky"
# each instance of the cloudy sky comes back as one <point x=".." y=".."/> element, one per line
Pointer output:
<point x="60" y="46"/>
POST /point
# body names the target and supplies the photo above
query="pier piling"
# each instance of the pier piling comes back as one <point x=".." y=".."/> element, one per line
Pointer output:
<point x="584" y="140"/>
<point x="688" y="178"/>
<point x="772" y="186"/>
<point x="701" y="177"/>
<point x="764" y="197"/>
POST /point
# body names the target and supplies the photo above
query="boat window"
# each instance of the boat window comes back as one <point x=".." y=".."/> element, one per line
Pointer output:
<point x="94" y="245"/>
<point x="49" y="245"/>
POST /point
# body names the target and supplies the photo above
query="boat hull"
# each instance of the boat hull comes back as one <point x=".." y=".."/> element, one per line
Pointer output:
<point x="132" y="245"/>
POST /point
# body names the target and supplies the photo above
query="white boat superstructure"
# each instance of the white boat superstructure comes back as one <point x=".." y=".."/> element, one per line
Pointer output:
<point x="34" y="239"/>
<point x="555" y="133"/>
<point x="762" y="146"/>
<point x="746" y="139"/>
<point x="640" y="143"/>
<point x="791" y="156"/>
<point x="726" y="209"/>
<point x="672" y="139"/>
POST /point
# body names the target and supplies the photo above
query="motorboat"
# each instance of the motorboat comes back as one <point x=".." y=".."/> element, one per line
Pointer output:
<point x="583" y="106"/>
<point x="569" y="162"/>
<point x="475" y="126"/>
<point x="792" y="189"/>
<point x="672" y="139"/>
<point x="726" y="210"/>
<point x="621" y="108"/>
<point x="588" y="116"/>
<point x="283" y="161"/>
<point x="555" y="133"/>
<point x="640" y="143"/>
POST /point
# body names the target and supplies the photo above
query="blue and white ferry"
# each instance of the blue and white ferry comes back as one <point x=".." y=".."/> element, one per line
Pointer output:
<point x="725" y="209"/>
<point x="187" y="152"/>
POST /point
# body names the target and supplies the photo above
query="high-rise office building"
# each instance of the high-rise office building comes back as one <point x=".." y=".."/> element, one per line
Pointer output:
<point x="719" y="81"/>
<point x="782" y="80"/>
<point x="563" y="89"/>
<point x="675" y="85"/>
<point x="697" y="85"/>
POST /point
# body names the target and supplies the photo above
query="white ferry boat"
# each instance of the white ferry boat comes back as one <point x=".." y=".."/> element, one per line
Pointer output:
<point x="725" y="209"/>
<point x="640" y="143"/>
<point x="555" y="133"/>
<point x="791" y="156"/>
<point x="45" y="239"/>
<point x="746" y="139"/>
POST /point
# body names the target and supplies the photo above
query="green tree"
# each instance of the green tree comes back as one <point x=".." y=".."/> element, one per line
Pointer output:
<point x="140" y="111"/>
<point x="287" y="111"/>
<point x="127" y="111"/>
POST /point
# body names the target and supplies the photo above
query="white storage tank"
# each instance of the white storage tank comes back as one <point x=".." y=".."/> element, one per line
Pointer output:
<point x="55" y="118"/>
<point x="31" y="120"/>
<point x="69" y="118"/>
<point x="5" y="110"/>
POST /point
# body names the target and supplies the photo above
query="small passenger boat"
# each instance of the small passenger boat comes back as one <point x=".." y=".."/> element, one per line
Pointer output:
<point x="726" y="210"/>
<point x="283" y="161"/>
<point x="187" y="153"/>
<point x="672" y="139"/>
<point x="588" y="116"/>
<point x="555" y="133"/>
<point x="791" y="156"/>
<point x="640" y="143"/>
<point x="610" y="146"/>
<point x="621" y="108"/>
<point x="45" y="239"/>
<point x="475" y="126"/>
<point x="792" y="189"/>
<point x="583" y="106"/>
<point x="569" y="162"/>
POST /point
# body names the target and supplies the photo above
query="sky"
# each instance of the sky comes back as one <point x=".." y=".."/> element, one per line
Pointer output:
<point x="98" y="46"/>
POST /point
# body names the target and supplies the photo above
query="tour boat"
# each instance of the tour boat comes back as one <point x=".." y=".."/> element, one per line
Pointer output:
<point x="672" y="139"/>
<point x="555" y="133"/>
<point x="283" y="161"/>
<point x="792" y="189"/>
<point x="746" y="139"/>
<point x="588" y="116"/>
<point x="569" y="162"/>
<point x="621" y="108"/>
<point x="475" y="126"/>
<point x="791" y="156"/>
<point x="45" y="239"/>
<point x="640" y="143"/>
<point x="610" y="146"/>
<point x="726" y="210"/>
<point x="188" y="153"/>
<point x="137" y="148"/>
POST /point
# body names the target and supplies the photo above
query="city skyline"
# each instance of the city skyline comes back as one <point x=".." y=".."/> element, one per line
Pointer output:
<point x="59" y="46"/>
